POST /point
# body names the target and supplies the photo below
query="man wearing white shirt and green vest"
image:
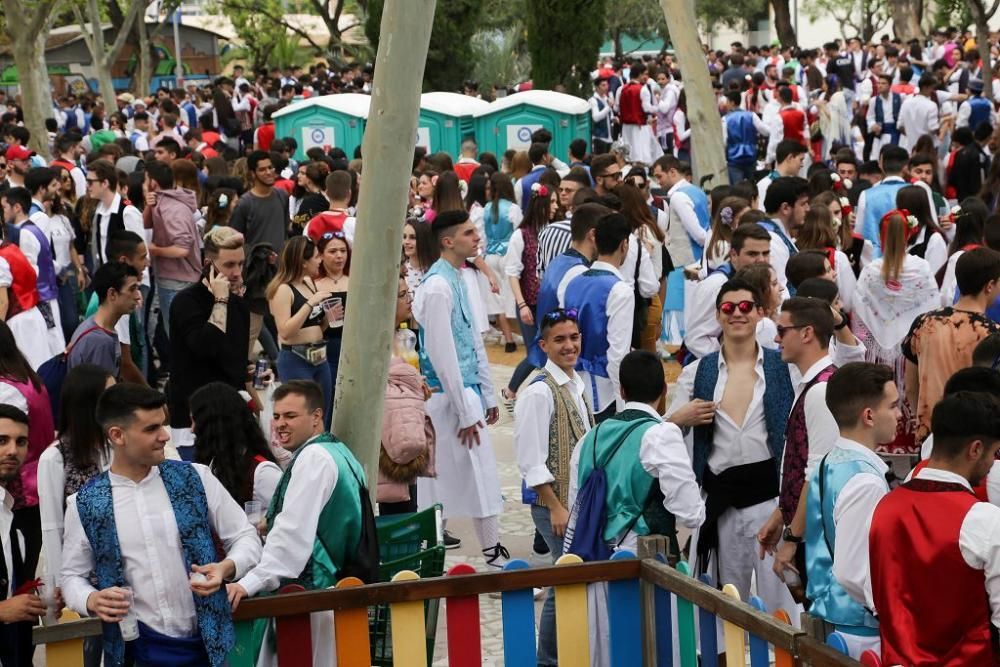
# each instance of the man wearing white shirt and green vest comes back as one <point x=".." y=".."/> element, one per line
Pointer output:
<point x="841" y="497"/>
<point x="314" y="522"/>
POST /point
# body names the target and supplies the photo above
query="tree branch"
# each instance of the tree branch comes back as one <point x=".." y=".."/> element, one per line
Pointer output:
<point x="277" y="18"/>
<point x="40" y="15"/>
<point x="993" y="9"/>
<point x="88" y="38"/>
<point x="136" y="7"/>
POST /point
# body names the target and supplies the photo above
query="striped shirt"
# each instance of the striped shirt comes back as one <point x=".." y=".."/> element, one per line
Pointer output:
<point x="553" y="241"/>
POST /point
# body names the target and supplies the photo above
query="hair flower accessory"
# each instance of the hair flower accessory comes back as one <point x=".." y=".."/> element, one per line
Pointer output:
<point x="912" y="222"/>
<point x="835" y="177"/>
<point x="223" y="200"/>
<point x="847" y="183"/>
<point x="726" y="215"/>
<point x="539" y="190"/>
<point x="955" y="210"/>
<point x="844" y="201"/>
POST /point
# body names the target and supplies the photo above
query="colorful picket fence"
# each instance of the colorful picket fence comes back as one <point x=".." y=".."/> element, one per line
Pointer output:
<point x="640" y="628"/>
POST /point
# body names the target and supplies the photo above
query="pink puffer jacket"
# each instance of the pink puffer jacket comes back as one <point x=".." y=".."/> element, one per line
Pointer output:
<point x="407" y="436"/>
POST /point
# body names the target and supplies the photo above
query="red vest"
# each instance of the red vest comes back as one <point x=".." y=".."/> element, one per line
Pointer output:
<point x="980" y="490"/>
<point x="793" y="121"/>
<point x="25" y="292"/>
<point x="464" y="170"/>
<point x="630" y="104"/>
<point x="327" y="221"/>
<point x="933" y="608"/>
<point x="265" y="135"/>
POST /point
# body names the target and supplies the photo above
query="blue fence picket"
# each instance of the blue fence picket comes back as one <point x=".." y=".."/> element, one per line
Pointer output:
<point x="759" y="656"/>
<point x="685" y="626"/>
<point x="518" y="612"/>
<point x="625" y="619"/>
<point x="707" y="630"/>
<point x="836" y="640"/>
<point x="664" y="623"/>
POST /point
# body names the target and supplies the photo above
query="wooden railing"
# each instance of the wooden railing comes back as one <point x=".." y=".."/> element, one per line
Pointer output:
<point x="640" y="593"/>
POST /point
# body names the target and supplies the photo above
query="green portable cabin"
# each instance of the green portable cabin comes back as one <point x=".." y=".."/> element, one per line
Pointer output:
<point x="509" y="121"/>
<point x="446" y="119"/>
<point x="325" y="121"/>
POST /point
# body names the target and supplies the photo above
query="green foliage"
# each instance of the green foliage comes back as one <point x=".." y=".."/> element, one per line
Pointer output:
<point x="953" y="12"/>
<point x="450" y="54"/>
<point x="500" y="57"/>
<point x="638" y="18"/>
<point x="564" y="39"/>
<point x="730" y="13"/>
<point x="253" y="23"/>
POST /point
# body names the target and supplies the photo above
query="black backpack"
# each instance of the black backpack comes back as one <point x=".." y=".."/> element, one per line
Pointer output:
<point x="364" y="562"/>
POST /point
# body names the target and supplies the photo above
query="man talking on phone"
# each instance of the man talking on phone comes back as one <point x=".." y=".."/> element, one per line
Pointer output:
<point x="209" y="331"/>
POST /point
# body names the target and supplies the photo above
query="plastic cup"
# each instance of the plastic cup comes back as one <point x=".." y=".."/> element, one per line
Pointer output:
<point x="129" y="625"/>
<point x="254" y="510"/>
<point x="331" y="306"/>
<point x="47" y="594"/>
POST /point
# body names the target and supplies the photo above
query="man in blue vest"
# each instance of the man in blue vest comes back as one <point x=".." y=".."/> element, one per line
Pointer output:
<point x="602" y="114"/>
<point x="878" y="200"/>
<point x="740" y="130"/>
<point x="606" y="307"/>
<point x="737" y="445"/>
<point x="563" y="268"/>
<point x="453" y="361"/>
<point x="883" y="112"/>
<point x="540" y="159"/>
<point x="842" y="494"/>
<point x="786" y="204"/>
<point x="688" y="204"/>
<point x="154" y="525"/>
<point x="977" y="109"/>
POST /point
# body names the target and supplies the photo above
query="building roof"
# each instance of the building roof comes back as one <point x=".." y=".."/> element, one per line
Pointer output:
<point x="352" y="104"/>
<point x="453" y="104"/>
<point x="546" y="99"/>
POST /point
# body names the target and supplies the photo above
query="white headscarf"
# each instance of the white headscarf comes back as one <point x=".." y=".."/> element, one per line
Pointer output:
<point x="888" y="310"/>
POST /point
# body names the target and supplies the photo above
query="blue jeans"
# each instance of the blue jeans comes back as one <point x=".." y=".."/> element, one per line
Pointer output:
<point x="293" y="367"/>
<point x="333" y="360"/>
<point x="166" y="296"/>
<point x="740" y="172"/>
<point x="69" y="311"/>
<point x="547" y="624"/>
<point x="524" y="368"/>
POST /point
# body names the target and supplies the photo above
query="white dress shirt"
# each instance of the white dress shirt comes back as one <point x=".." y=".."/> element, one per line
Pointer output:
<point x="936" y="253"/>
<point x="571" y="273"/>
<point x="6" y="519"/>
<point x="649" y="283"/>
<point x="978" y="538"/>
<point x="663" y="455"/>
<point x="733" y="444"/>
<point x="513" y="264"/>
<point x="51" y="503"/>
<point x="532" y="418"/>
<point x="992" y="479"/>
<point x="701" y="328"/>
<point x="518" y="195"/>
<point x="821" y="427"/>
<point x="151" y="551"/>
<point x="290" y="540"/>
<point x="131" y="216"/>
<point x="30" y="247"/>
<point x="965" y="112"/>
<point x="918" y="115"/>
<point x="852" y="517"/>
<point x="620" y="310"/>
<point x="762" y="186"/>
<point x="682" y="208"/>
<point x="759" y="125"/>
<point x="859" y="224"/>
<point x="780" y="253"/>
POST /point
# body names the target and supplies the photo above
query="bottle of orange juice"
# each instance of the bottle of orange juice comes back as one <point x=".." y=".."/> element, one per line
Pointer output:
<point x="405" y="346"/>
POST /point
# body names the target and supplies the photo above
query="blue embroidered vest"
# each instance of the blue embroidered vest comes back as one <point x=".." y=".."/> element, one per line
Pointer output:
<point x="461" y="329"/>
<point x="588" y="293"/>
<point x="778" y="397"/>
<point x="548" y="298"/>
<point x="498" y="228"/>
<point x="48" y="285"/>
<point x="897" y="101"/>
<point x="741" y="137"/>
<point x="602" y="129"/>
<point x="187" y="497"/>
<point x="700" y="201"/>
<point x="980" y="110"/>
<point x="829" y="600"/>
<point x="525" y="183"/>
<point x="879" y="200"/>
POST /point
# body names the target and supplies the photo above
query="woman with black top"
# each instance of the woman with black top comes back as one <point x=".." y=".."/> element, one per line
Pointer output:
<point x="334" y="272"/>
<point x="296" y="304"/>
<point x="309" y="193"/>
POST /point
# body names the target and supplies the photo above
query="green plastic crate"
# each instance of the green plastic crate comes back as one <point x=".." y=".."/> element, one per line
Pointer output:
<point x="402" y="535"/>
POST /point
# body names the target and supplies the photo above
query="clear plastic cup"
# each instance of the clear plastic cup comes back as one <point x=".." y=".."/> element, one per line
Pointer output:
<point x="47" y="594"/>
<point x="255" y="511"/>
<point x="129" y="625"/>
<point x="331" y="306"/>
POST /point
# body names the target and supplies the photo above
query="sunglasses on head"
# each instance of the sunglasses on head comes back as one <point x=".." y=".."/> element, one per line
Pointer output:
<point x="729" y="307"/>
<point x="560" y="315"/>
<point x="333" y="235"/>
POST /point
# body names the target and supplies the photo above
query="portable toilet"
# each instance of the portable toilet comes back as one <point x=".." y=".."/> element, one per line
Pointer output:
<point x="325" y="121"/>
<point x="446" y="119"/>
<point x="509" y="121"/>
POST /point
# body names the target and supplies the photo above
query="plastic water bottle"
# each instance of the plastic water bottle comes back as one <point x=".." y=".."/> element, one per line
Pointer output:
<point x="405" y="346"/>
<point x="129" y="625"/>
<point x="260" y="370"/>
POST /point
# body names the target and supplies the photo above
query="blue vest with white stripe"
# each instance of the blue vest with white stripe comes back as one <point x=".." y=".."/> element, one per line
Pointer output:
<point x="700" y="201"/>
<point x="588" y="294"/>
<point x="980" y="111"/>
<point x="461" y="330"/>
<point x="897" y="101"/>
<point x="879" y="200"/>
<point x="548" y="298"/>
<point x="741" y="137"/>
<point x="829" y="599"/>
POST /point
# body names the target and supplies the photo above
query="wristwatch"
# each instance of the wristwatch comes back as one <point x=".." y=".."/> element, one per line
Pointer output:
<point x="788" y="536"/>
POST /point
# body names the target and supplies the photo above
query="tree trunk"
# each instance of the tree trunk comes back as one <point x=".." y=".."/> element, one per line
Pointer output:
<point x="981" y="17"/>
<point x="616" y="36"/>
<point x="144" y="70"/>
<point x="783" y="23"/>
<point x="388" y="149"/>
<point x="702" y="107"/>
<point x="36" y="89"/>
<point x="906" y="19"/>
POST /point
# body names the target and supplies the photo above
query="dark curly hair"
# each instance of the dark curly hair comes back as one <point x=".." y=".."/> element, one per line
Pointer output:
<point x="227" y="437"/>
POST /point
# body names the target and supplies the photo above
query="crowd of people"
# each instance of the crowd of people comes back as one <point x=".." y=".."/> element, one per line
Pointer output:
<point x="174" y="285"/>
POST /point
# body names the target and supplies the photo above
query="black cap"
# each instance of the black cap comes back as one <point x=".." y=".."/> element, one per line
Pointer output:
<point x="447" y="219"/>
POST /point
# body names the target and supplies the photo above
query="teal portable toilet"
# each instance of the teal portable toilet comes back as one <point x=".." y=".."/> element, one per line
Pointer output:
<point x="446" y="119"/>
<point x="509" y="121"/>
<point x="325" y="121"/>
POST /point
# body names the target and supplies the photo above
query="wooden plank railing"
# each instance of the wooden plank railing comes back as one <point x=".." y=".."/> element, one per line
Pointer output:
<point x="628" y="616"/>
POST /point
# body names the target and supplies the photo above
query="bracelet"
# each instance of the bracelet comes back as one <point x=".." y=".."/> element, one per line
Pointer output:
<point x="222" y="301"/>
<point x="521" y="305"/>
<point x="843" y="322"/>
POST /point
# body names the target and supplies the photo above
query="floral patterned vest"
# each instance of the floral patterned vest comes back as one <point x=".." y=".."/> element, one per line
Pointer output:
<point x="793" y="470"/>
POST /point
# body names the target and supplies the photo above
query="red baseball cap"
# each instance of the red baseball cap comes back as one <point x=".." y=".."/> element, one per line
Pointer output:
<point x="18" y="153"/>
